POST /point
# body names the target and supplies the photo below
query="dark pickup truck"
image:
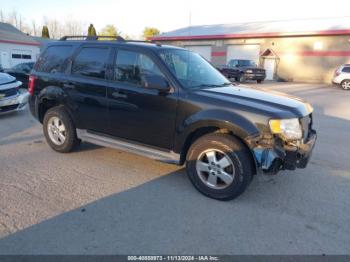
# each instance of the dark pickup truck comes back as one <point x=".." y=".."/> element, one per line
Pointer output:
<point x="169" y="104"/>
<point x="241" y="70"/>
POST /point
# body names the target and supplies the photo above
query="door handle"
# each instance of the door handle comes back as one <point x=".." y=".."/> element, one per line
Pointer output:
<point x="68" y="85"/>
<point x="118" y="94"/>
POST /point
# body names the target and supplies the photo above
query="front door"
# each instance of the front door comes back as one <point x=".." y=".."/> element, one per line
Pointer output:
<point x="137" y="113"/>
<point x="5" y="60"/>
<point x="269" y="66"/>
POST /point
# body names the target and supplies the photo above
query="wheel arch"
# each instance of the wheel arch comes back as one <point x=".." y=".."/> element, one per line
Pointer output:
<point x="50" y="97"/>
<point x="234" y="125"/>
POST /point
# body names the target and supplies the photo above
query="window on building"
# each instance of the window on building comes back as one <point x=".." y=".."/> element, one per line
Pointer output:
<point x="26" y="57"/>
<point x="91" y="62"/>
<point x="16" y="56"/>
<point x="346" y="69"/>
<point x="21" y="56"/>
<point x="53" y="59"/>
<point x="131" y="66"/>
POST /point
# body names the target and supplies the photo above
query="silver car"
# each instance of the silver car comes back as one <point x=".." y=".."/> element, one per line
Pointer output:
<point x="11" y="97"/>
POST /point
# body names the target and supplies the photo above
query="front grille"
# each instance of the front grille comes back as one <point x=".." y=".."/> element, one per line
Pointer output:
<point x="9" y="92"/>
<point x="258" y="71"/>
<point x="8" y="108"/>
<point x="306" y="124"/>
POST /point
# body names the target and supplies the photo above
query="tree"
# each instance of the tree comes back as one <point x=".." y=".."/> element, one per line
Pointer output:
<point x="45" y="32"/>
<point x="91" y="30"/>
<point x="149" y="32"/>
<point x="109" y="30"/>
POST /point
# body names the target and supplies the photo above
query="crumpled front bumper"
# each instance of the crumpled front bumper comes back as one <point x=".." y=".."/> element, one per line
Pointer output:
<point x="270" y="160"/>
<point x="14" y="103"/>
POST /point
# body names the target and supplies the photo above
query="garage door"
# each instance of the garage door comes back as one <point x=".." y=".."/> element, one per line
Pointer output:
<point x="203" y="50"/>
<point x="250" y="52"/>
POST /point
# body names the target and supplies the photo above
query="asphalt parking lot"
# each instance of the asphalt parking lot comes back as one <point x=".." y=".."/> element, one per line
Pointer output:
<point x="103" y="201"/>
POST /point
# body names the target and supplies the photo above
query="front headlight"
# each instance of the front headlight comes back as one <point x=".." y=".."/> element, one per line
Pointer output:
<point x="290" y="129"/>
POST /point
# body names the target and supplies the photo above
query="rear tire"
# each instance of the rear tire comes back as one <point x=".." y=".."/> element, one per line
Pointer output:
<point x="59" y="130"/>
<point x="345" y="84"/>
<point x="219" y="166"/>
<point x="259" y="81"/>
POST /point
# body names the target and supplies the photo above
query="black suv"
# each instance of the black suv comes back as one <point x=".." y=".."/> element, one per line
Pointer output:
<point x="169" y="104"/>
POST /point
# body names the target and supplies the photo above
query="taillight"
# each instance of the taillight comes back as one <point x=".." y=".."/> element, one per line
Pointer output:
<point x="31" y="85"/>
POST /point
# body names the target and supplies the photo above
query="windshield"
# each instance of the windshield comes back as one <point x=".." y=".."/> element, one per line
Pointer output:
<point x="192" y="70"/>
<point x="242" y="62"/>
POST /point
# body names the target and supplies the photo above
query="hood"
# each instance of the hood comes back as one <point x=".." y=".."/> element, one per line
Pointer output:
<point x="6" y="78"/>
<point x="7" y="81"/>
<point x="271" y="103"/>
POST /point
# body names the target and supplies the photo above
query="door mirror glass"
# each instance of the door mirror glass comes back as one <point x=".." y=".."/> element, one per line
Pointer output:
<point x="155" y="82"/>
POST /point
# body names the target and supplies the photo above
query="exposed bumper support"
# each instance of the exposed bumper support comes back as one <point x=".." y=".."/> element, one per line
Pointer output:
<point x="14" y="103"/>
<point x="272" y="159"/>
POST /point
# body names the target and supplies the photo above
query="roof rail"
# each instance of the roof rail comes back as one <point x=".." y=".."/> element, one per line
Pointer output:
<point x="86" y="37"/>
<point x="117" y="38"/>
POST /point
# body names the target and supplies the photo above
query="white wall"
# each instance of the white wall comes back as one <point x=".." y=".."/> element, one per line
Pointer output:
<point x="7" y="50"/>
<point x="203" y="50"/>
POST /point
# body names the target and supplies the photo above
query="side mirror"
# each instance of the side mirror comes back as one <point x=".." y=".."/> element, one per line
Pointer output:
<point x="155" y="82"/>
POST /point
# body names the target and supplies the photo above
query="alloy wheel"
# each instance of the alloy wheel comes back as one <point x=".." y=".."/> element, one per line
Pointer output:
<point x="215" y="169"/>
<point x="56" y="130"/>
<point x="346" y="85"/>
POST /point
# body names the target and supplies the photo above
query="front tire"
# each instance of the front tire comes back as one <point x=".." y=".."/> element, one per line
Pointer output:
<point x="59" y="130"/>
<point x="219" y="166"/>
<point x="345" y="84"/>
<point x="241" y="78"/>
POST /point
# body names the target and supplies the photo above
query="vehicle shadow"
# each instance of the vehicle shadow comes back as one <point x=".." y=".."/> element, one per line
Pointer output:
<point x="167" y="216"/>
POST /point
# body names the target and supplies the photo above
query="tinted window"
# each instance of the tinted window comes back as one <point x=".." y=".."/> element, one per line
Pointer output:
<point x="236" y="62"/>
<point x="131" y="66"/>
<point x="18" y="67"/>
<point x="346" y="70"/>
<point x="91" y="62"/>
<point x="53" y="59"/>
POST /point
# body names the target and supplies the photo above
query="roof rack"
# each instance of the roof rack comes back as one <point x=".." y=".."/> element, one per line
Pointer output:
<point x="86" y="37"/>
<point x="116" y="38"/>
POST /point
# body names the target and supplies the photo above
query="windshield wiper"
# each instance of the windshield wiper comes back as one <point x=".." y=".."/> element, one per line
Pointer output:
<point x="213" y="85"/>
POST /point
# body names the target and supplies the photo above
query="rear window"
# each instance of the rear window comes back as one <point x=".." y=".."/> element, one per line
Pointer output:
<point x="346" y="69"/>
<point x="91" y="62"/>
<point x="53" y="59"/>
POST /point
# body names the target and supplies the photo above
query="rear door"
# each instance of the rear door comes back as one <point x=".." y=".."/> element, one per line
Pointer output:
<point x="137" y="113"/>
<point x="87" y="86"/>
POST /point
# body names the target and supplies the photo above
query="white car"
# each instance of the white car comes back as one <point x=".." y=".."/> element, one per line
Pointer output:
<point x="342" y="76"/>
<point x="11" y="98"/>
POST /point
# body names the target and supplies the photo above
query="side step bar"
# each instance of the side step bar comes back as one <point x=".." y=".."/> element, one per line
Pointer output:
<point x="101" y="140"/>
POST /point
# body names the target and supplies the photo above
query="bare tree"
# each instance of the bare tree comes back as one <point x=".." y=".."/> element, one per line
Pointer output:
<point x="73" y="27"/>
<point x="34" y="29"/>
<point x="2" y="17"/>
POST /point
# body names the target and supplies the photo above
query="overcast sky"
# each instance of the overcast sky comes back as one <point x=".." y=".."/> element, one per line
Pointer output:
<point x="131" y="16"/>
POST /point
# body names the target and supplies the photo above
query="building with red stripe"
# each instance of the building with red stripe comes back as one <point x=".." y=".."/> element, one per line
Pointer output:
<point x="307" y="50"/>
<point x="16" y="47"/>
